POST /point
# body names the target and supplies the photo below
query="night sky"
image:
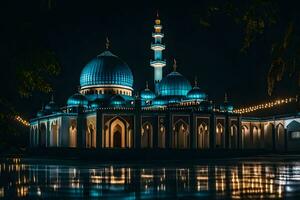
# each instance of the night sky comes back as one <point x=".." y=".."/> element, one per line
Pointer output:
<point x="76" y="31"/>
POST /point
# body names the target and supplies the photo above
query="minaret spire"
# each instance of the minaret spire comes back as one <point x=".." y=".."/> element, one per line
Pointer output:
<point x="157" y="46"/>
<point x="107" y="44"/>
<point x="174" y="65"/>
<point x="147" y="86"/>
<point x="225" y="98"/>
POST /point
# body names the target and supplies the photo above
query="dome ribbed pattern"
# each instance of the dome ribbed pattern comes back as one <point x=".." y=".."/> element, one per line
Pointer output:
<point x="174" y="84"/>
<point x="106" y="69"/>
<point x="147" y="94"/>
<point x="196" y="94"/>
<point x="77" y="100"/>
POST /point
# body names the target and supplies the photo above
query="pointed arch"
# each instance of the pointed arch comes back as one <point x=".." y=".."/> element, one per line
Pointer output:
<point x="233" y="141"/>
<point x="256" y="137"/>
<point x="162" y="137"/>
<point x="91" y="136"/>
<point x="268" y="135"/>
<point x="73" y="134"/>
<point x="279" y="136"/>
<point x="147" y="135"/>
<point x="181" y="136"/>
<point x="202" y="136"/>
<point x="220" y="136"/>
<point x="54" y="140"/>
<point x="117" y="133"/>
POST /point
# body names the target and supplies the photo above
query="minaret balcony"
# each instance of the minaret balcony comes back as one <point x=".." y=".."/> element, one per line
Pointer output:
<point x="157" y="35"/>
<point x="157" y="26"/>
<point x="158" y="63"/>
<point x="158" y="47"/>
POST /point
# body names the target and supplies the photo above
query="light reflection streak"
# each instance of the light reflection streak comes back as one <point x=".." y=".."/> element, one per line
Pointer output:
<point x="236" y="181"/>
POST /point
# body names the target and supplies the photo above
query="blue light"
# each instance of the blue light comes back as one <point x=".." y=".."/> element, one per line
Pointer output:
<point x="196" y="94"/>
<point x="77" y="100"/>
<point x="174" y="84"/>
<point x="106" y="69"/>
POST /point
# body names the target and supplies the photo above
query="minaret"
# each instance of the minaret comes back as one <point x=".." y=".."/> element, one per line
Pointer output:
<point x="158" y="63"/>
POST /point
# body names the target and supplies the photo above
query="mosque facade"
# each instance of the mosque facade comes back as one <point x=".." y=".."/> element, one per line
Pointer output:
<point x="106" y="112"/>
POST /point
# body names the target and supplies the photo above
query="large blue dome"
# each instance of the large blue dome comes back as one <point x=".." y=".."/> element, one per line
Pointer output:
<point x="174" y="84"/>
<point x="106" y="69"/>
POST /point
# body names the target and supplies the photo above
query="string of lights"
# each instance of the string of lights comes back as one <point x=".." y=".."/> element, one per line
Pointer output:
<point x="22" y="121"/>
<point x="270" y="104"/>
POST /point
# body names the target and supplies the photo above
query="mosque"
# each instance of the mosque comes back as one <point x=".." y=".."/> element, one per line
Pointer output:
<point x="107" y="113"/>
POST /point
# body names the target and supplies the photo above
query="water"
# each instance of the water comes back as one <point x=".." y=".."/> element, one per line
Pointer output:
<point x="210" y="180"/>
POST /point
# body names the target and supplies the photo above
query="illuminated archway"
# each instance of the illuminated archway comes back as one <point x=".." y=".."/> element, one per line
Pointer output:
<point x="146" y="136"/>
<point x="268" y="135"/>
<point x="279" y="137"/>
<point x="233" y="137"/>
<point x="54" y="140"/>
<point x="181" y="136"/>
<point x="117" y="134"/>
<point x="256" y="135"/>
<point x="91" y="136"/>
<point x="245" y="136"/>
<point x="161" y="137"/>
<point x="220" y="136"/>
<point x="73" y="134"/>
<point x="202" y="136"/>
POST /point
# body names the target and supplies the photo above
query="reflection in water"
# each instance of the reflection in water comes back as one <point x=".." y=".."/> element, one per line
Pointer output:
<point x="24" y="178"/>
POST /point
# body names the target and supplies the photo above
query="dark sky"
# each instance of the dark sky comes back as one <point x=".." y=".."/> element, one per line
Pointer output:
<point x="76" y="31"/>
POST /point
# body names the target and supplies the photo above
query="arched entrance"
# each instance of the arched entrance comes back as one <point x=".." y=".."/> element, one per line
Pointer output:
<point x="73" y="135"/>
<point x="91" y="136"/>
<point x="202" y="137"/>
<point x="161" y="138"/>
<point x="117" y="138"/>
<point x="268" y="136"/>
<point x="219" y="136"/>
<point x="146" y="137"/>
<point x="256" y="137"/>
<point x="117" y="134"/>
<point x="280" y="137"/>
<point x="181" y="137"/>
<point x="54" y="134"/>
<point x="233" y="137"/>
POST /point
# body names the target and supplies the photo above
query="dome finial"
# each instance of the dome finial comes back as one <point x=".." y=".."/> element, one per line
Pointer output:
<point x="174" y="65"/>
<point x="157" y="15"/>
<point x="78" y="89"/>
<point x="107" y="43"/>
<point x="52" y="97"/>
<point x="225" y="98"/>
<point x="147" y="86"/>
<point x="196" y="81"/>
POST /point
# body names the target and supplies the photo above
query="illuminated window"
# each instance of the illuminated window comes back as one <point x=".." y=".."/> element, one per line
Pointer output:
<point x="295" y="135"/>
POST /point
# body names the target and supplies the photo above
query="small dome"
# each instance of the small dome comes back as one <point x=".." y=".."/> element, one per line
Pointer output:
<point x="159" y="101"/>
<point x="147" y="94"/>
<point x="106" y="69"/>
<point x="51" y="106"/>
<point x="40" y="113"/>
<point x="77" y="100"/>
<point x="226" y="107"/>
<point x="117" y="100"/>
<point x="174" y="84"/>
<point x="196" y="94"/>
<point x="97" y="103"/>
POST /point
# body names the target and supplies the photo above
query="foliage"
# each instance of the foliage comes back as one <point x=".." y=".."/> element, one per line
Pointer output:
<point x="34" y="70"/>
<point x="260" y="18"/>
